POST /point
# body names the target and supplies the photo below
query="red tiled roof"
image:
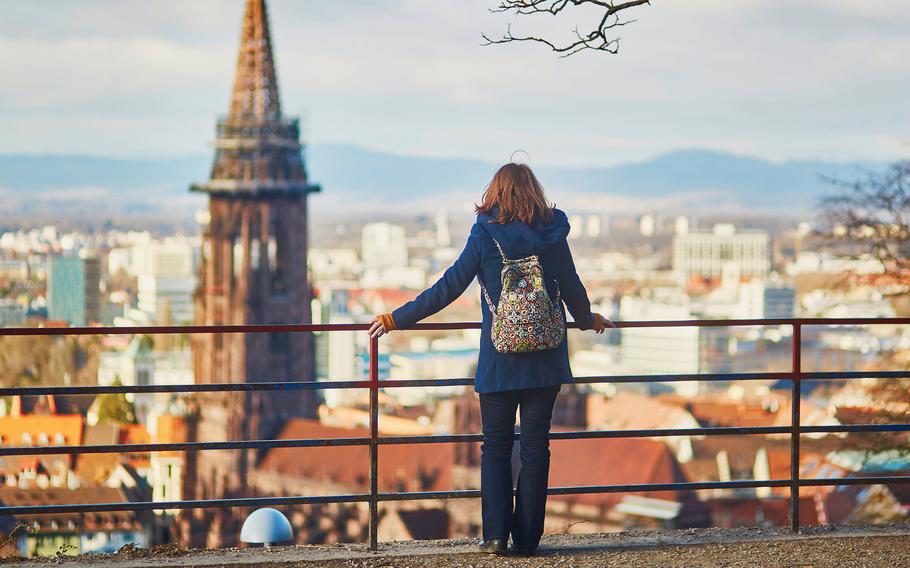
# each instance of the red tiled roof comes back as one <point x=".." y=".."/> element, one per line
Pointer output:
<point x="389" y="296"/>
<point x="617" y="461"/>
<point x="393" y="297"/>
<point x="405" y="467"/>
<point x="14" y="428"/>
<point x="631" y="411"/>
<point x="100" y="521"/>
<point x="735" y="512"/>
<point x="170" y="429"/>
<point x="135" y="434"/>
<point x="729" y="413"/>
<point x="742" y="452"/>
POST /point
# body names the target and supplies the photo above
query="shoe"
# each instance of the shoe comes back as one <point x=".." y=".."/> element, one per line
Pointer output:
<point x="523" y="552"/>
<point x="492" y="546"/>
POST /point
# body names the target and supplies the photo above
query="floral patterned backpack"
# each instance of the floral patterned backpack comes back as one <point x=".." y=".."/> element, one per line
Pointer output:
<point x="526" y="318"/>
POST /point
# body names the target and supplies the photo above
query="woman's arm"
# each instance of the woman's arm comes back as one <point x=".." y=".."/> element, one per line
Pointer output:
<point x="445" y="291"/>
<point x="572" y="291"/>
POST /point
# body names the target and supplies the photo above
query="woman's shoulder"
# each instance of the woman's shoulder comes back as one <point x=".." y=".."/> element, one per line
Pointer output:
<point x="477" y="231"/>
<point x="482" y="223"/>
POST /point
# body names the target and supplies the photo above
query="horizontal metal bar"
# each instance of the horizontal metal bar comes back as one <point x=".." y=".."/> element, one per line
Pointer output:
<point x="229" y="387"/>
<point x="591" y="489"/>
<point x="432" y="439"/>
<point x="834" y="375"/>
<point x="758" y="322"/>
<point x="589" y="434"/>
<point x="596" y="379"/>
<point x="413" y="383"/>
<point x="195" y="504"/>
<point x="871" y="480"/>
<point x="854" y="428"/>
<point x="425" y="495"/>
<point x="181" y="329"/>
<point x="310" y="327"/>
<point x="681" y="486"/>
<point x="672" y="432"/>
<point x="185" y="388"/>
<point x="181" y="447"/>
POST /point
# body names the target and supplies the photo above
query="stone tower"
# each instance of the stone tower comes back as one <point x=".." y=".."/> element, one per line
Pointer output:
<point x="253" y="271"/>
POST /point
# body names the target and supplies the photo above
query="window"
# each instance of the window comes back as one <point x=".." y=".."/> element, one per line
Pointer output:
<point x="278" y="258"/>
<point x="238" y="258"/>
<point x="254" y="254"/>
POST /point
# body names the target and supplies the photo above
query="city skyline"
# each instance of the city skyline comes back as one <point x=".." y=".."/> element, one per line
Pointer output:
<point x="161" y="69"/>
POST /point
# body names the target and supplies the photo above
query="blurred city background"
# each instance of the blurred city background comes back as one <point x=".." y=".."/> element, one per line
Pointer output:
<point x="714" y="168"/>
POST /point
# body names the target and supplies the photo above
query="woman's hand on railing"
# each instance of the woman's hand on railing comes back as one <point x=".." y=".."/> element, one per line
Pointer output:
<point x="601" y="323"/>
<point x="382" y="324"/>
<point x="377" y="329"/>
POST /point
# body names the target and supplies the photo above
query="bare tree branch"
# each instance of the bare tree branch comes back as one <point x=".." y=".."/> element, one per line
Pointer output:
<point x="598" y="39"/>
<point x="874" y="213"/>
<point x="871" y="215"/>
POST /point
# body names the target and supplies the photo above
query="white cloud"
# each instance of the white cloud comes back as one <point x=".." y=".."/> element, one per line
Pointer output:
<point x="804" y="78"/>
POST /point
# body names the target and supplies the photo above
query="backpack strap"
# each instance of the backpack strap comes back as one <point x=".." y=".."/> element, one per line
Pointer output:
<point x="486" y="297"/>
<point x="502" y="254"/>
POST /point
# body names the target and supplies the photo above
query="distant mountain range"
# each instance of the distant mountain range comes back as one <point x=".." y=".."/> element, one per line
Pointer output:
<point x="361" y="179"/>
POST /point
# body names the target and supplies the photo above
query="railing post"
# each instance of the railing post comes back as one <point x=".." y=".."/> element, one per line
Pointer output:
<point x="374" y="441"/>
<point x="795" y="397"/>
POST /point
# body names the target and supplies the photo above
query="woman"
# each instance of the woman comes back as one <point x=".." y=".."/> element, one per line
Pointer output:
<point x="515" y="216"/>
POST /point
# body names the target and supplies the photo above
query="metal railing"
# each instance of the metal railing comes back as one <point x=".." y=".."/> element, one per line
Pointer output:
<point x="796" y="375"/>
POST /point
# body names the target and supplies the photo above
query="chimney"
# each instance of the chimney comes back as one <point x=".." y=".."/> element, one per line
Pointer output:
<point x="723" y="466"/>
<point x="16" y="407"/>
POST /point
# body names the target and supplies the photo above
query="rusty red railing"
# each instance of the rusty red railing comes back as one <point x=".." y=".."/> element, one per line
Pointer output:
<point x="373" y="497"/>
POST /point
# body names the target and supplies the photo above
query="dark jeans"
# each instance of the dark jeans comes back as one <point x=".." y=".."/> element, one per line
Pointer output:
<point x="497" y="411"/>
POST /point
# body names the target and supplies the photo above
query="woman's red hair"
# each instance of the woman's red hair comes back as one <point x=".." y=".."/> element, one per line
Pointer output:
<point x="517" y="195"/>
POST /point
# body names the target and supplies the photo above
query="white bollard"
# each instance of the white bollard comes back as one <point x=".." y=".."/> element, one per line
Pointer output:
<point x="267" y="527"/>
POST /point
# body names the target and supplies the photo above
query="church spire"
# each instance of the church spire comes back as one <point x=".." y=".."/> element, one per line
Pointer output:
<point x="255" y="84"/>
<point x="257" y="150"/>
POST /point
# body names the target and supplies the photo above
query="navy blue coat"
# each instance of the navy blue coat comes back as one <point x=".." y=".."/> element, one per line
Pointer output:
<point x="509" y="371"/>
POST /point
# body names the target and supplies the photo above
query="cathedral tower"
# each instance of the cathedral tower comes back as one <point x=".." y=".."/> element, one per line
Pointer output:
<point x="253" y="271"/>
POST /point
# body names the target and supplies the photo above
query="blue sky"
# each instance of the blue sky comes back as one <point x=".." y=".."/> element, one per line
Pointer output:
<point x="777" y="79"/>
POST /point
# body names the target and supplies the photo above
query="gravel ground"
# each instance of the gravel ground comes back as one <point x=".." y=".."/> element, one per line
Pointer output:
<point x="819" y="553"/>
<point x="819" y="547"/>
